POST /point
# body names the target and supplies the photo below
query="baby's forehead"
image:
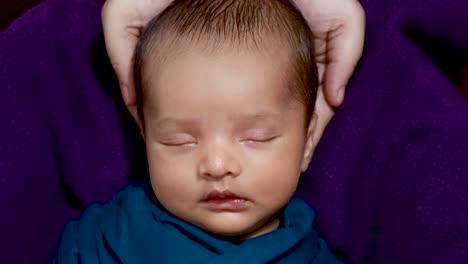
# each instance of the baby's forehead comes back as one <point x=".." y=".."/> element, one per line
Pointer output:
<point x="238" y="68"/>
<point x="272" y="53"/>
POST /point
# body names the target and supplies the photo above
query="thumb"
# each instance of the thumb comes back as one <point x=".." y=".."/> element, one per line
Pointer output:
<point x="345" y="45"/>
<point x="121" y="36"/>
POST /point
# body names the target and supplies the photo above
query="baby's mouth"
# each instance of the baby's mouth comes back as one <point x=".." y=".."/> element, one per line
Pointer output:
<point x="225" y="201"/>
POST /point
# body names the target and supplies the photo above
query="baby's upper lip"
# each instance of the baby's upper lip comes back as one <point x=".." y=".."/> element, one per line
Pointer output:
<point x="222" y="194"/>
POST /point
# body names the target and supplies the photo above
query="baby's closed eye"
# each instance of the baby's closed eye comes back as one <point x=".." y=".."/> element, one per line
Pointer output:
<point x="259" y="136"/>
<point x="179" y="139"/>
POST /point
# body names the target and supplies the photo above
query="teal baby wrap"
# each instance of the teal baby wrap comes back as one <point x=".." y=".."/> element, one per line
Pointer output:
<point x="135" y="228"/>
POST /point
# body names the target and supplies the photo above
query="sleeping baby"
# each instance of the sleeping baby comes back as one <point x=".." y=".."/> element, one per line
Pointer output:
<point x="225" y="102"/>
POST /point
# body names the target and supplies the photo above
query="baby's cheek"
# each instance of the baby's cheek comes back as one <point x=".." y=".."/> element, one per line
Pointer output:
<point x="172" y="177"/>
<point x="279" y="169"/>
<point x="174" y="192"/>
<point x="277" y="178"/>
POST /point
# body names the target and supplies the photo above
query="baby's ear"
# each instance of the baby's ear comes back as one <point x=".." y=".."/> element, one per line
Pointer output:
<point x="310" y="143"/>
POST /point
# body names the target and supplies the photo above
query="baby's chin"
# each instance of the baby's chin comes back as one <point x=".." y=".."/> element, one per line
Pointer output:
<point x="235" y="228"/>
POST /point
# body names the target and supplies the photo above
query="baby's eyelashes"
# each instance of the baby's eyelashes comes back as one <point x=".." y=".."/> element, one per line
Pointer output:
<point x="260" y="140"/>
<point x="260" y="136"/>
<point x="251" y="136"/>
<point x="178" y="144"/>
<point x="179" y="140"/>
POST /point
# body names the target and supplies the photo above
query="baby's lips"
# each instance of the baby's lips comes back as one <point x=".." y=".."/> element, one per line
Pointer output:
<point x="226" y="194"/>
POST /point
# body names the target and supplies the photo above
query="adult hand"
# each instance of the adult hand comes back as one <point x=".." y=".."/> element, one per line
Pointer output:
<point x="338" y="27"/>
<point x="123" y="21"/>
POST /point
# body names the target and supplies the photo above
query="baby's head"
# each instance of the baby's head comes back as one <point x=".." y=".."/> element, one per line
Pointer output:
<point x="225" y="96"/>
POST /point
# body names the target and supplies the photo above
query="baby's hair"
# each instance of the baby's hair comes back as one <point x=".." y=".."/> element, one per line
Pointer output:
<point x="241" y="24"/>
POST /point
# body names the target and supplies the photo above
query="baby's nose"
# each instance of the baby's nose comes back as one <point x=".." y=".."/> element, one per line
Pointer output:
<point x="218" y="162"/>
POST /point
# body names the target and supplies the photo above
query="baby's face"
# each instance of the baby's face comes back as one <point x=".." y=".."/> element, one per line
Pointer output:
<point x="225" y="140"/>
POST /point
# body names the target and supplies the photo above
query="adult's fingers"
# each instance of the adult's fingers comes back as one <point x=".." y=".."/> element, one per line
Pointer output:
<point x="121" y="31"/>
<point x="344" y="48"/>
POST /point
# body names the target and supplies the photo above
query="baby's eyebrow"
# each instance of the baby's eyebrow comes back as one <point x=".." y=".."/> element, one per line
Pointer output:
<point x="244" y="120"/>
<point x="261" y="118"/>
<point x="174" y="122"/>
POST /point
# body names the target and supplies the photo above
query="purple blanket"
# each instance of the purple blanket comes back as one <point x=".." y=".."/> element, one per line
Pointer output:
<point x="389" y="179"/>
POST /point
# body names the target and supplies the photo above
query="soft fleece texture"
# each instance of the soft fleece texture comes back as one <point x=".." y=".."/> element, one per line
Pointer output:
<point x="389" y="179"/>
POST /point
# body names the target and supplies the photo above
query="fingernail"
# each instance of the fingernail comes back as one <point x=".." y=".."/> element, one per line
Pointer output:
<point x="341" y="94"/>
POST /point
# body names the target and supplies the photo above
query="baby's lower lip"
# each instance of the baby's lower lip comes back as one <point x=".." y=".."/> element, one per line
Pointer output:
<point x="226" y="204"/>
